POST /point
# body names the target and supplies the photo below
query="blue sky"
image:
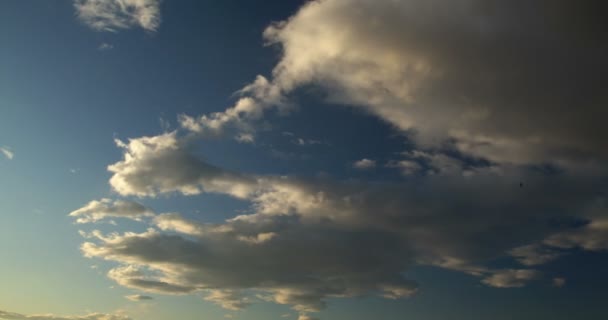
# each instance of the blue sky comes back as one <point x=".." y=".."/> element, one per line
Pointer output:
<point x="332" y="159"/>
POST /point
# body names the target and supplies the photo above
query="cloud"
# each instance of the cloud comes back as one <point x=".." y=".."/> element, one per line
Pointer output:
<point x="131" y="276"/>
<point x="111" y="15"/>
<point x="308" y="240"/>
<point x="531" y="255"/>
<point x="590" y="231"/>
<point x="228" y="299"/>
<point x="484" y="111"/>
<point x="138" y="297"/>
<point x="559" y="282"/>
<point x="511" y="278"/>
<point x="93" y="316"/>
<point x="256" y="98"/>
<point x="7" y="152"/>
<point x="593" y="236"/>
<point x="164" y="164"/>
<point x="364" y="164"/>
<point x="105" y="46"/>
<point x="468" y="79"/>
<point x="307" y="142"/>
<point x="406" y="167"/>
<point x="96" y="211"/>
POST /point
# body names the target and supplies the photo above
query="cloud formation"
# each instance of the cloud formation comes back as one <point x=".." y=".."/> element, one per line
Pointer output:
<point x="511" y="278"/>
<point x="106" y="208"/>
<point x="559" y="282"/>
<point x="364" y="164"/>
<point x="461" y="72"/>
<point x="93" y="316"/>
<point x="138" y="297"/>
<point x="7" y="152"/>
<point x="164" y="164"/>
<point x="486" y="102"/>
<point x="112" y="15"/>
<point x="308" y="240"/>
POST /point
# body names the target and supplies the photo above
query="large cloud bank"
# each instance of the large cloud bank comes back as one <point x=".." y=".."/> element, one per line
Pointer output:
<point x="512" y="85"/>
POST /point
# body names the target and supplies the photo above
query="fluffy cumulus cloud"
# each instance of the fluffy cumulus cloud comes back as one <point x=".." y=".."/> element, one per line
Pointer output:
<point x="507" y="83"/>
<point x="93" y="316"/>
<point x="163" y="164"/>
<point x="308" y="240"/>
<point x="364" y="164"/>
<point x="111" y="15"/>
<point x="505" y="113"/>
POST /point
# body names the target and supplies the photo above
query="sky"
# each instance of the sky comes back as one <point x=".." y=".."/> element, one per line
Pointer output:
<point x="305" y="160"/>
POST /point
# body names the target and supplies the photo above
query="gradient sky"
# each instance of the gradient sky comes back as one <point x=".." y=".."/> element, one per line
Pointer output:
<point x="283" y="159"/>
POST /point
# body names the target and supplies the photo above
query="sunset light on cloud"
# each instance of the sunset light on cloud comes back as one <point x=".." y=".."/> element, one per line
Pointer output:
<point x="314" y="159"/>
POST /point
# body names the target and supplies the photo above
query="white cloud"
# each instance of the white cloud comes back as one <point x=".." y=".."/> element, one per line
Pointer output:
<point x="164" y="164"/>
<point x="456" y="94"/>
<point x="307" y="142"/>
<point x="531" y="255"/>
<point x="355" y="238"/>
<point x="93" y="316"/>
<point x="228" y="299"/>
<point x="445" y="82"/>
<point x="6" y="151"/>
<point x="257" y="97"/>
<point x="364" y="164"/>
<point x="442" y="84"/>
<point x="105" y="46"/>
<point x="511" y="278"/>
<point x="111" y="15"/>
<point x="132" y="276"/>
<point x="593" y="236"/>
<point x="106" y="208"/>
<point x="138" y="297"/>
<point x="407" y="167"/>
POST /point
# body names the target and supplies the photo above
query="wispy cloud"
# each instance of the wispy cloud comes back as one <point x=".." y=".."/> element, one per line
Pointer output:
<point x="93" y="316"/>
<point x="511" y="278"/>
<point x="364" y="164"/>
<point x="105" y="46"/>
<point x="6" y="151"/>
<point x="111" y="15"/>
<point x="138" y="297"/>
<point x="559" y="282"/>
